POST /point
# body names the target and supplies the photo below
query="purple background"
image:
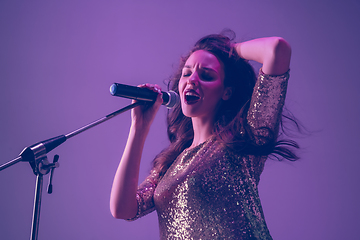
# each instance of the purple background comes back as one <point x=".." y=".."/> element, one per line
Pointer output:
<point x="58" y="59"/>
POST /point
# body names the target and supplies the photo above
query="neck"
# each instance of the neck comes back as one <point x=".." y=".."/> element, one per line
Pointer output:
<point x="203" y="129"/>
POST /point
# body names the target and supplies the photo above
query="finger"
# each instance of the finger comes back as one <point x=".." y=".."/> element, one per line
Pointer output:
<point x="156" y="88"/>
<point x="159" y="100"/>
<point x="153" y="87"/>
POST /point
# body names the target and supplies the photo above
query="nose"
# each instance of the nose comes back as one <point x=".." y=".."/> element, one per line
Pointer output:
<point x="193" y="79"/>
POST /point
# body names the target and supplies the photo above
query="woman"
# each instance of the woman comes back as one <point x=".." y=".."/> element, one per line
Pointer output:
<point x="204" y="185"/>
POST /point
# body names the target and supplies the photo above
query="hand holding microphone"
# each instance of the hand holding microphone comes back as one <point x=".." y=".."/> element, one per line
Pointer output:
<point x="143" y="116"/>
<point x="170" y="99"/>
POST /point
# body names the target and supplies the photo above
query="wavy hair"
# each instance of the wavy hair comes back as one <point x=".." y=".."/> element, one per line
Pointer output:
<point x="230" y="127"/>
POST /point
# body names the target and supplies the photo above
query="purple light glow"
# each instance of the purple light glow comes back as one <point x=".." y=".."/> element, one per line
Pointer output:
<point x="58" y="59"/>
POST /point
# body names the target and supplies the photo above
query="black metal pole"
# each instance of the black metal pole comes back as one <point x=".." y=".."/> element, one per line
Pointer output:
<point x="101" y="120"/>
<point x="37" y="207"/>
<point x="10" y="163"/>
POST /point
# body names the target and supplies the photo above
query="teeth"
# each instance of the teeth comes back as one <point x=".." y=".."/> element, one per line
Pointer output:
<point x="191" y="93"/>
<point x="191" y="97"/>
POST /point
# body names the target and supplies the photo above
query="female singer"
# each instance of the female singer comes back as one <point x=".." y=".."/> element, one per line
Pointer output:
<point x="204" y="184"/>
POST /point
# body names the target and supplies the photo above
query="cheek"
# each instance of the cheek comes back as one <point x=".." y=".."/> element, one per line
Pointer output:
<point x="215" y="87"/>
<point x="181" y="84"/>
<point x="181" y="87"/>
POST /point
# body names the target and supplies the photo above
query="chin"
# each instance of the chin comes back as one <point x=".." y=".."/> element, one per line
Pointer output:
<point x="189" y="112"/>
<point x="192" y="112"/>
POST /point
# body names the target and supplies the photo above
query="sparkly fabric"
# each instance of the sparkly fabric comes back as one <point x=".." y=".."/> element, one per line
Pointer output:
<point x="209" y="192"/>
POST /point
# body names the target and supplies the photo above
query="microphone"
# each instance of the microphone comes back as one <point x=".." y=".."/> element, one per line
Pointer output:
<point x="170" y="99"/>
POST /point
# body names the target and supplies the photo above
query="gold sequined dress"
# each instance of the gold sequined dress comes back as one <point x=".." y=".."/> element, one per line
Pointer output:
<point x="210" y="192"/>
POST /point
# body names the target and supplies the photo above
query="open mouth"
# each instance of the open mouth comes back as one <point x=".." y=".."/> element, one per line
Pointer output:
<point x="191" y="97"/>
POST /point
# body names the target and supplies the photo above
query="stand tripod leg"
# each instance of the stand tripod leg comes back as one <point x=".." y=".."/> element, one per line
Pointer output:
<point x="37" y="206"/>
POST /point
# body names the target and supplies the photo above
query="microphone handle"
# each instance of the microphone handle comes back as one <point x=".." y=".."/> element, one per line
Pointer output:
<point x="141" y="94"/>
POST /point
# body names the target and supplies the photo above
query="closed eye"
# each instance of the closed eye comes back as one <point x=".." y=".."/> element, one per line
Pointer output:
<point x="186" y="73"/>
<point x="204" y="74"/>
<point x="206" y="77"/>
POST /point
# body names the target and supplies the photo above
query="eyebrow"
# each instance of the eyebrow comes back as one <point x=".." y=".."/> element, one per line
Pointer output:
<point x="206" y="68"/>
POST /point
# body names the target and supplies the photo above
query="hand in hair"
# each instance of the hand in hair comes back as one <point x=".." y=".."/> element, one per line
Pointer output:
<point x="273" y="52"/>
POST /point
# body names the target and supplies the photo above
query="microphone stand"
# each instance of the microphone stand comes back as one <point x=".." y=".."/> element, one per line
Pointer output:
<point x="36" y="156"/>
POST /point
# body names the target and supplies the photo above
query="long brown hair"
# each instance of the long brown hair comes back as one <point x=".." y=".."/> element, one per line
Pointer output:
<point x="230" y="120"/>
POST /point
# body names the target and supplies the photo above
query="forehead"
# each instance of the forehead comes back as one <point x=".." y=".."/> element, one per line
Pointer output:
<point x="203" y="59"/>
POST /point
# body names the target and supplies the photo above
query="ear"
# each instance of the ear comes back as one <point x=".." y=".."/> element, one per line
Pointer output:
<point x="227" y="93"/>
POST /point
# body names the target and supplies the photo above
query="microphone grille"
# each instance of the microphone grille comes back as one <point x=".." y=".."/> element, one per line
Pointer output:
<point x="174" y="99"/>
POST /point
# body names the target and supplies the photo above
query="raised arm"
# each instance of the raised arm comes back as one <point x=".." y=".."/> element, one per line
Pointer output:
<point x="270" y="89"/>
<point x="123" y="202"/>
<point x="273" y="52"/>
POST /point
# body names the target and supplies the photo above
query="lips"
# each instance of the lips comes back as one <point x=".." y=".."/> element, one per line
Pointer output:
<point x="191" y="96"/>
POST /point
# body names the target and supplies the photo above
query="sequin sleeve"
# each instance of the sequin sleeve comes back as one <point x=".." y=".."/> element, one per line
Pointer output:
<point x="145" y="195"/>
<point x="266" y="106"/>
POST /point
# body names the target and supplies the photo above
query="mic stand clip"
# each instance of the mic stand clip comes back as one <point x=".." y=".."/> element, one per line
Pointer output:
<point x="37" y="158"/>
